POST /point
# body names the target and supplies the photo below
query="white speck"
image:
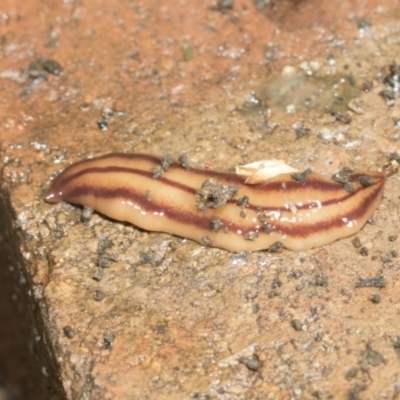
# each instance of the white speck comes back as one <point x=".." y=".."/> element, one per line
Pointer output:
<point x="352" y="144"/>
<point x="297" y="391"/>
<point x="288" y="70"/>
<point x="289" y="205"/>
<point x="177" y="89"/>
<point x="274" y="215"/>
<point x="316" y="204"/>
<point x="45" y="372"/>
<point x="252" y="99"/>
<point x="326" y="134"/>
<point x="290" y="109"/>
<point x="351" y="223"/>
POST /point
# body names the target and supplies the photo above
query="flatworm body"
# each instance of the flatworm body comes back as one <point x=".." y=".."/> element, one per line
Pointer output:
<point x="299" y="213"/>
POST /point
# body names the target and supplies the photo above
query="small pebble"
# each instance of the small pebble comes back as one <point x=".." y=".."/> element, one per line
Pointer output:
<point x="321" y="280"/>
<point x="206" y="240"/>
<point x="184" y="161"/>
<point x="268" y="228"/>
<point x="252" y="235"/>
<point x="99" y="295"/>
<point x="69" y="331"/>
<point x="87" y="212"/>
<point x="356" y="242"/>
<point x="108" y="339"/>
<point x="98" y="274"/>
<point x="277" y="246"/>
<point x="366" y="180"/>
<point x="216" y="224"/>
<point x="102" y="125"/>
<point x="296" y="324"/>
<point x="375" y="298"/>
<point x="252" y="363"/>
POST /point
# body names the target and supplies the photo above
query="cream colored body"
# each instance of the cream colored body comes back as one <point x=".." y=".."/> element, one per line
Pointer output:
<point x="303" y="216"/>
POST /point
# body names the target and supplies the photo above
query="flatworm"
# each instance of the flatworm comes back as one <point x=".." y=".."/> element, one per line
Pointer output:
<point x="298" y="213"/>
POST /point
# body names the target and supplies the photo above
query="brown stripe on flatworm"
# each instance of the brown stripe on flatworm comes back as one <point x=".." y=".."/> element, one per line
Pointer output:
<point x="117" y="185"/>
<point x="229" y="177"/>
<point x="225" y="176"/>
<point x="312" y="184"/>
<point x="202" y="221"/>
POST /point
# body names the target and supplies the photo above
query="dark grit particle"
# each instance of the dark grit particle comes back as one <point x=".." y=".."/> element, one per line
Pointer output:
<point x="206" y="240"/>
<point x="166" y="161"/>
<point x="366" y="180"/>
<point x="216" y="224"/>
<point x="214" y="194"/>
<point x="184" y="161"/>
<point x="301" y="177"/>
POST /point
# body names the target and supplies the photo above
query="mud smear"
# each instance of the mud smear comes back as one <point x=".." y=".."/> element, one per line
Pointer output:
<point x="292" y="15"/>
<point x="301" y="92"/>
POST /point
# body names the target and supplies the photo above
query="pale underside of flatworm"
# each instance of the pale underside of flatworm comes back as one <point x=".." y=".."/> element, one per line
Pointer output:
<point x="299" y="213"/>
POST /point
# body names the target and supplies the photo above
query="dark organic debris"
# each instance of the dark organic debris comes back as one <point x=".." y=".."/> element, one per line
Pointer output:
<point x="206" y="240"/>
<point x="252" y="235"/>
<point x="41" y="67"/>
<point x="377" y="282"/>
<point x="343" y="175"/>
<point x="268" y="228"/>
<point x="349" y="187"/>
<point x="321" y="280"/>
<point x="302" y="131"/>
<point x="243" y="201"/>
<point x="166" y="161"/>
<point x="373" y="357"/>
<point x="216" y="224"/>
<point x="367" y="86"/>
<point x="214" y="194"/>
<point x="157" y="171"/>
<point x="366" y="180"/>
<point x="345" y="118"/>
<point x="102" y="125"/>
<point x="275" y="247"/>
<point x="224" y="5"/>
<point x="183" y="159"/>
<point x="301" y="177"/>
<point x="105" y="260"/>
<point x="392" y="82"/>
<point x="392" y="78"/>
<point x="394" y="157"/>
